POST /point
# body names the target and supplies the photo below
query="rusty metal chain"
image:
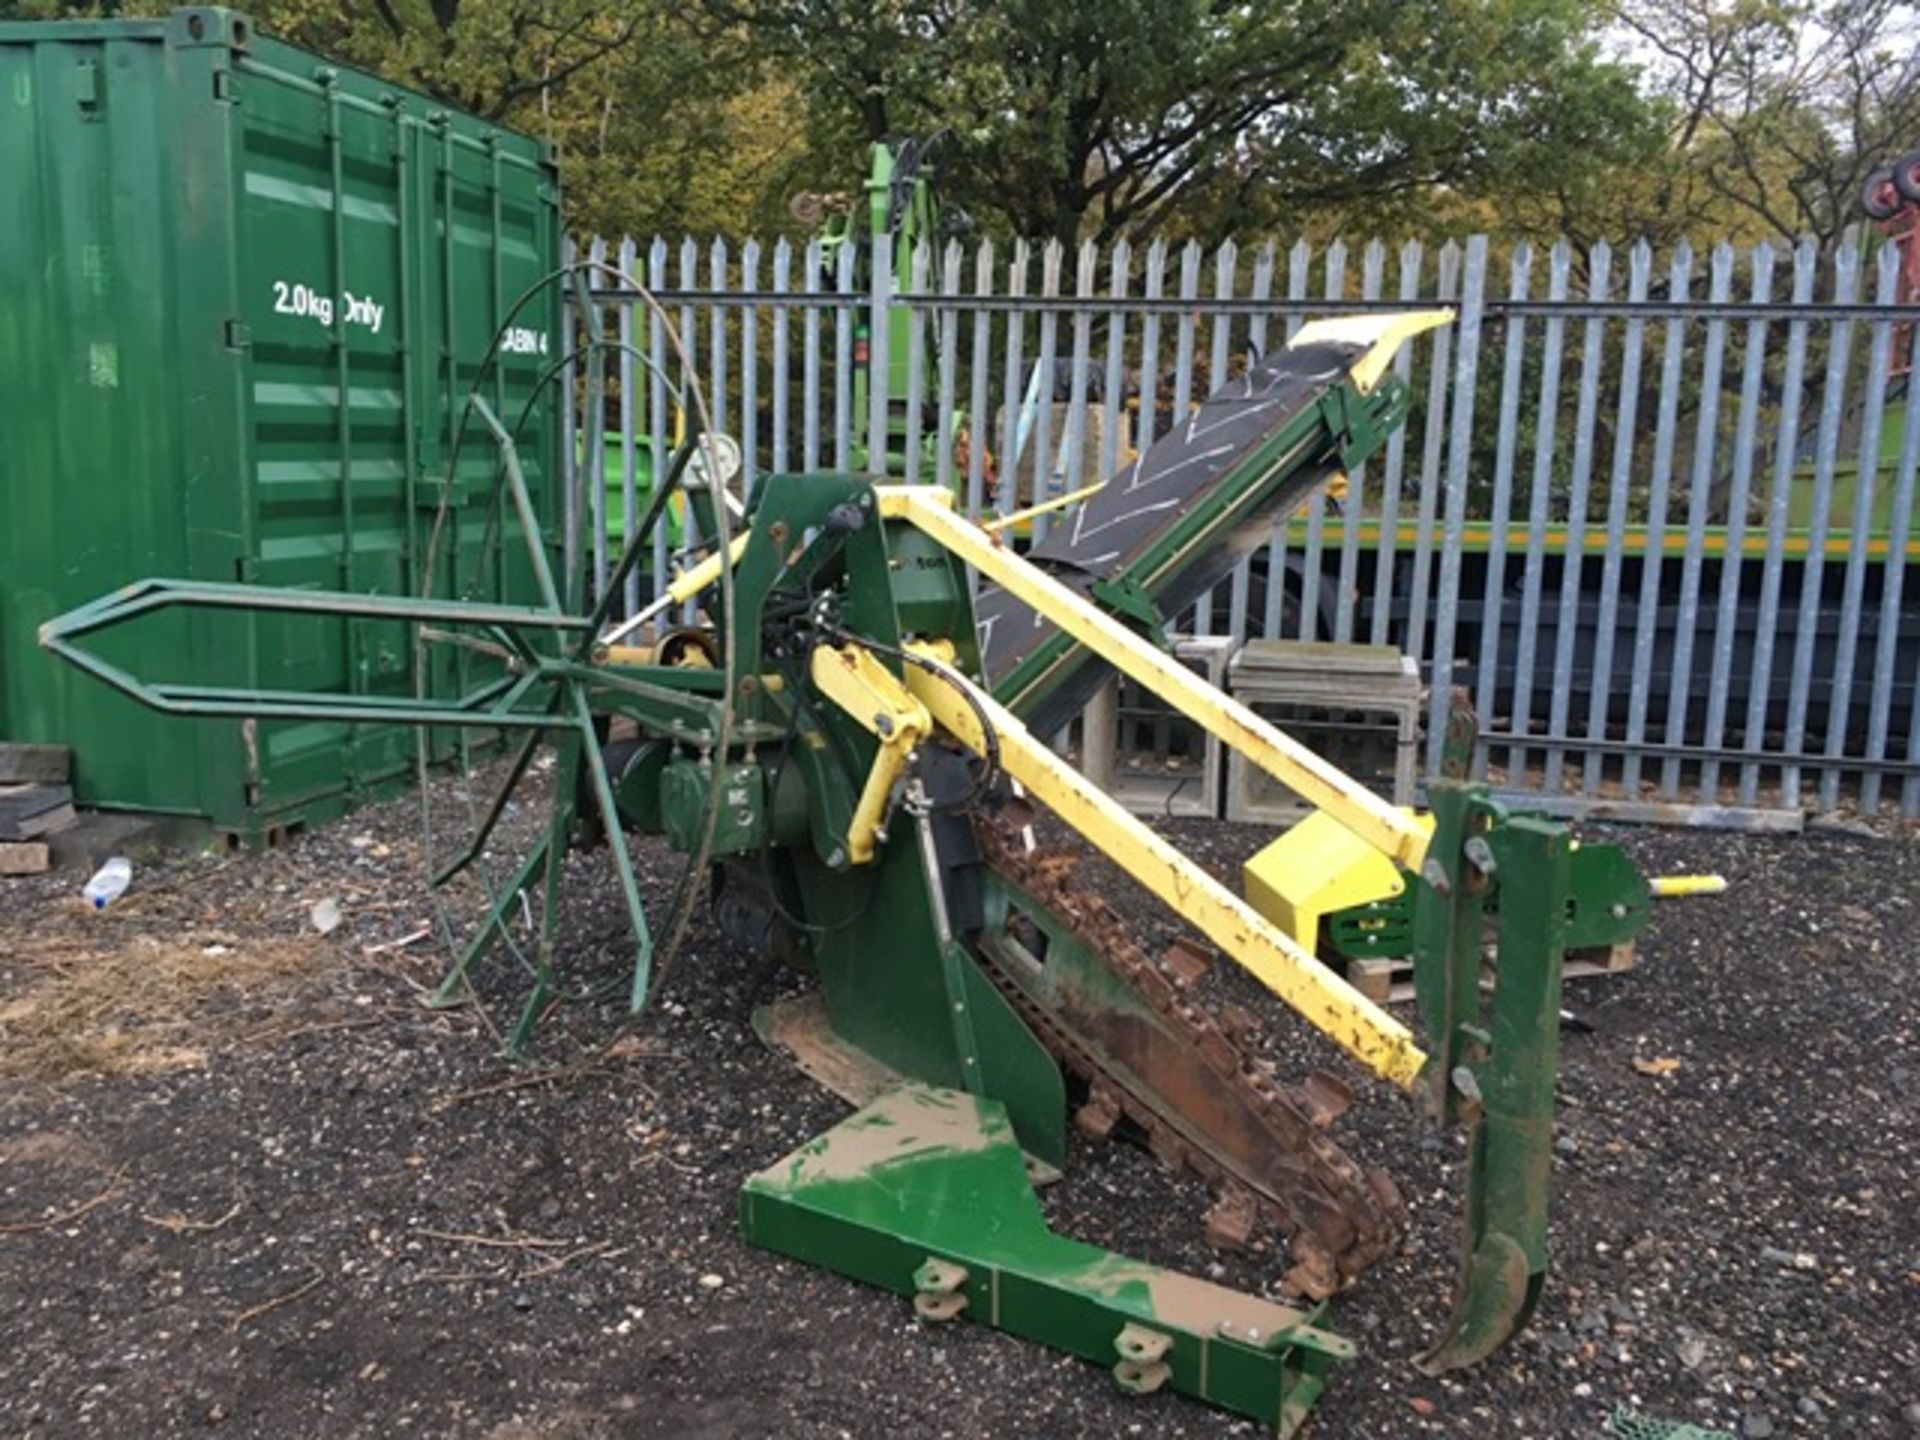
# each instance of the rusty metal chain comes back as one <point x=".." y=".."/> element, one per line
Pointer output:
<point x="1284" y="1169"/>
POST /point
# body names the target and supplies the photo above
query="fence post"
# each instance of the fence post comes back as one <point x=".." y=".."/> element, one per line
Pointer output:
<point x="1533" y="576"/>
<point x="1745" y="444"/>
<point x="1566" y="633"/>
<point x="1700" y="487"/>
<point x="749" y="371"/>
<point x="1866" y="474"/>
<point x="1778" y="507"/>
<point x="879" y="362"/>
<point x="1466" y="379"/>
<point x="782" y="357"/>
<point x="630" y="424"/>
<point x="1833" y="395"/>
<point x="1619" y="484"/>
<point x="1506" y="442"/>
<point x="979" y="417"/>
<point x="657" y="412"/>
<point x="1433" y="440"/>
<point x="1353" y="515"/>
<point x="1886" y="637"/>
<point x="570" y="327"/>
<point x="1386" y="558"/>
<point x="1646" y="613"/>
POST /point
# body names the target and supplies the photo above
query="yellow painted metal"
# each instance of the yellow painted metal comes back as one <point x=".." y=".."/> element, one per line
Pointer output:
<point x="1059" y="502"/>
<point x="867" y="690"/>
<point x="1317" y="867"/>
<point x="1477" y="536"/>
<point x="1325" y="786"/>
<point x="625" y="655"/>
<point x="1668" y="887"/>
<point x="691" y="581"/>
<point x="1343" y="1014"/>
<point x="1383" y="335"/>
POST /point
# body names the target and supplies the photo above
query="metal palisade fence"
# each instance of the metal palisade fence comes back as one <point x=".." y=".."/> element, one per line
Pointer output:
<point x="1653" y="512"/>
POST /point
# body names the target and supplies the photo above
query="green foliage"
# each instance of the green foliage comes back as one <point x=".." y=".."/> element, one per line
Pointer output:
<point x="1076" y="120"/>
<point x="1655" y="119"/>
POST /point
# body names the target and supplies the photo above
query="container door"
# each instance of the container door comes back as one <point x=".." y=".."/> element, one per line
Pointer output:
<point x="369" y="314"/>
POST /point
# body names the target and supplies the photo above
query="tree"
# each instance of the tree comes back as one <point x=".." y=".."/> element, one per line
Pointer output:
<point x="1075" y="120"/>
<point x="496" y="58"/>
<point x="1779" y="109"/>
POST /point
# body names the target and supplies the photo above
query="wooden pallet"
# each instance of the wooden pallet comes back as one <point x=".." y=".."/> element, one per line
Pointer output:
<point x="1389" y="981"/>
<point x="28" y="812"/>
<point x="23" y="857"/>
<point x="34" y="764"/>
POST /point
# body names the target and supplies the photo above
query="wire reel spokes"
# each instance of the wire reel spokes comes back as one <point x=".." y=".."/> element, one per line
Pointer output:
<point x="558" y="665"/>
<point x="577" y="768"/>
<point x="571" y="672"/>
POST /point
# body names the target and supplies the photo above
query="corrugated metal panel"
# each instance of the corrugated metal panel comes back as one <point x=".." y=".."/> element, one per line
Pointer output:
<point x="253" y="291"/>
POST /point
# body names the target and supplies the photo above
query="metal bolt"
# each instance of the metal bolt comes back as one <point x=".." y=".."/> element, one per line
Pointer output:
<point x="1619" y="911"/>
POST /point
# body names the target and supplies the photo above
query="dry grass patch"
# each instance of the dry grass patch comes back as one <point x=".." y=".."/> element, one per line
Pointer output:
<point x="76" y="1007"/>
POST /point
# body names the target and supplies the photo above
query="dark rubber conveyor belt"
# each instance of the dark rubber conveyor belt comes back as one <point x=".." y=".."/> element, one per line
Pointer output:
<point x="1116" y="529"/>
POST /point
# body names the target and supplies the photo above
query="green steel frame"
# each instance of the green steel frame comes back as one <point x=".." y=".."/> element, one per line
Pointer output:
<point x="925" y="1193"/>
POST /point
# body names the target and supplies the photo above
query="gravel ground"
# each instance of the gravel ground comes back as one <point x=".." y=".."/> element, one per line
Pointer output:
<point x="249" y="1183"/>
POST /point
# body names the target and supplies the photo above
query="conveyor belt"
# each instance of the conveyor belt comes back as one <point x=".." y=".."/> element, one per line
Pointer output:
<point x="1224" y="456"/>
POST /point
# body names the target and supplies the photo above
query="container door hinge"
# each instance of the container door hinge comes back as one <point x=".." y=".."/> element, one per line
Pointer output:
<point x="235" y="335"/>
<point x="246" y="569"/>
<point x="224" y="89"/>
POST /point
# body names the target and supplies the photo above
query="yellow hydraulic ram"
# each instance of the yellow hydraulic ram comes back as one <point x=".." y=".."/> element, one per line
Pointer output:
<point x="1343" y="1014"/>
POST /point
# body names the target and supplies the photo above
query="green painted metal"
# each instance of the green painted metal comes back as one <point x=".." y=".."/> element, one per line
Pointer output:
<point x="925" y="1009"/>
<point x="898" y="200"/>
<point x="743" y="825"/>
<point x="534" y="677"/>
<point x="1495" y="1063"/>
<point x="212" y="239"/>
<point x="1608" y="901"/>
<point x="925" y="1193"/>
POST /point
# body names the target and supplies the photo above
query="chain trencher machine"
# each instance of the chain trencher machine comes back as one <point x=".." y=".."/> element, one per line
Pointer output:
<point x="852" y="766"/>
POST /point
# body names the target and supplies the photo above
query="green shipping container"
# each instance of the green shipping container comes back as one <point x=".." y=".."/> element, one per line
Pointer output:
<point x="246" y="293"/>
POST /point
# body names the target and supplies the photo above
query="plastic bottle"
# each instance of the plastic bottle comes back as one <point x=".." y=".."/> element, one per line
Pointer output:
<point x="109" y="883"/>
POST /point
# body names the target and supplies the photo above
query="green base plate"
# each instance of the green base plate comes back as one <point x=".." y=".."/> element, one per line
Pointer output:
<point x="924" y="1192"/>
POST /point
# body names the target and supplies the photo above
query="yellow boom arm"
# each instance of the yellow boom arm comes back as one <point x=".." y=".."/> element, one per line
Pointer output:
<point x="1343" y="1014"/>
<point x="1396" y="834"/>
